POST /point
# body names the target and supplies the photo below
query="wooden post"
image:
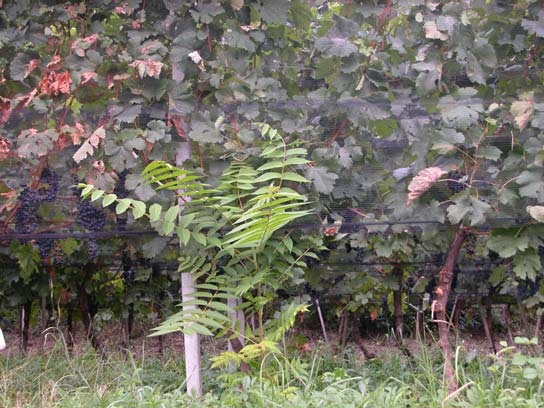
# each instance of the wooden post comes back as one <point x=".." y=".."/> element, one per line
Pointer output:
<point x="191" y="342"/>
<point x="322" y="321"/>
<point x="439" y="305"/>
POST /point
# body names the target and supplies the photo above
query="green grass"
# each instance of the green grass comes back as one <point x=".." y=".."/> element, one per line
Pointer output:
<point x="319" y="379"/>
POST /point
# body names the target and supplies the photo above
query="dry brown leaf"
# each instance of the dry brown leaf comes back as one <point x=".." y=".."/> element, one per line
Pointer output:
<point x="422" y="182"/>
<point x="432" y="32"/>
<point x="522" y="111"/>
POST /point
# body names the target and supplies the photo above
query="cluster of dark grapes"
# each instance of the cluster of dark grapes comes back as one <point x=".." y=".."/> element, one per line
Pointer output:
<point x="493" y="256"/>
<point x="453" y="185"/>
<point x="93" y="219"/>
<point x="128" y="270"/>
<point x="470" y="244"/>
<point x="120" y="189"/>
<point x="438" y="258"/>
<point x="49" y="185"/>
<point x="90" y="217"/>
<point x="26" y="219"/>
<point x="347" y="227"/>
<point x="360" y="255"/>
<point x="57" y="256"/>
<point x="528" y="288"/>
<point x="44" y="247"/>
<point x="49" y="249"/>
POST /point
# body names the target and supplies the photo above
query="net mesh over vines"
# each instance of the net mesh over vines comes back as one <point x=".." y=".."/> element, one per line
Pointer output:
<point x="376" y="91"/>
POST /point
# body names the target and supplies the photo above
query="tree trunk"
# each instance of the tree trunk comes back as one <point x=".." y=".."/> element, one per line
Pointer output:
<point x="487" y="328"/>
<point x="44" y="315"/>
<point x="24" y="325"/>
<point x="489" y="316"/>
<point x="538" y="329"/>
<point x="397" y="305"/>
<point x="459" y="306"/>
<point x="523" y="317"/>
<point x="357" y="337"/>
<point x="343" y="329"/>
<point x="419" y="323"/>
<point x="506" y="318"/>
<point x="130" y="322"/>
<point x="238" y="326"/>
<point x="86" y="317"/>
<point x="442" y="294"/>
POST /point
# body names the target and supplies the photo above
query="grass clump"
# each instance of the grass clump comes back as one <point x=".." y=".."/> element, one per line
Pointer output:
<point x="319" y="379"/>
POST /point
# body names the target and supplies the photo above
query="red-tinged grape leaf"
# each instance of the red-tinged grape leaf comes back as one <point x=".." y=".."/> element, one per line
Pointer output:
<point x="537" y="212"/>
<point x="424" y="180"/>
<point x="85" y="150"/>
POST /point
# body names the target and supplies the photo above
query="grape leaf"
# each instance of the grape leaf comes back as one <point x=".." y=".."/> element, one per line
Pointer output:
<point x="527" y="264"/>
<point x="506" y="243"/>
<point x="322" y="179"/>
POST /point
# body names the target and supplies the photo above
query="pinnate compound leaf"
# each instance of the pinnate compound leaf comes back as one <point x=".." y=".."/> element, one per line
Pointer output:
<point x="108" y="199"/>
<point x="122" y="205"/>
<point x="423" y="181"/>
<point x="167" y="228"/>
<point x="184" y="235"/>
<point x="97" y="194"/>
<point x="155" y="212"/>
<point x="138" y="209"/>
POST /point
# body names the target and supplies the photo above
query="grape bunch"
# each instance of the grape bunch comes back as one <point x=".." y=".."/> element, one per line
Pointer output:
<point x="90" y="217"/>
<point x="128" y="270"/>
<point x="44" y="247"/>
<point x="454" y="185"/>
<point x="92" y="248"/>
<point x="120" y="189"/>
<point x="438" y="258"/>
<point x="493" y="256"/>
<point x="470" y="244"/>
<point x="26" y="219"/>
<point x="50" y="184"/>
<point x="57" y="256"/>
<point x="360" y="255"/>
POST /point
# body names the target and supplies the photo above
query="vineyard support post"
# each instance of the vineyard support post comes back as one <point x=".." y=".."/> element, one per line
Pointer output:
<point x="191" y="342"/>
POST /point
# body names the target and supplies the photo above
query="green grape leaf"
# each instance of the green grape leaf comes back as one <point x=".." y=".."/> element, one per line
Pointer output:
<point x="527" y="264"/>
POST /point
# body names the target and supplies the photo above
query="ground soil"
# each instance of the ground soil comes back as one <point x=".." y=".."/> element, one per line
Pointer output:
<point x="113" y="339"/>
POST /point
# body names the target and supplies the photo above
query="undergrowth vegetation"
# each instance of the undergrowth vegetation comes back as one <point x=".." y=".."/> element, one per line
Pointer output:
<point x="512" y="378"/>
